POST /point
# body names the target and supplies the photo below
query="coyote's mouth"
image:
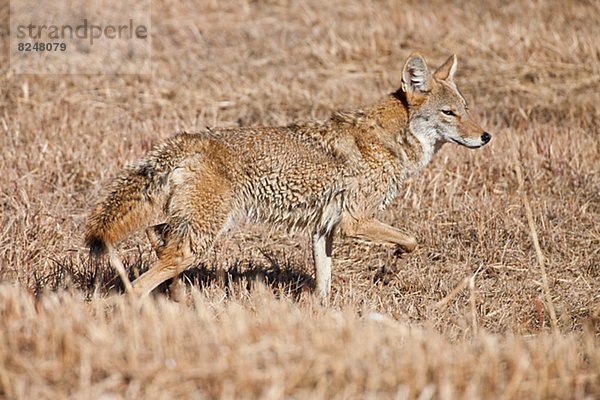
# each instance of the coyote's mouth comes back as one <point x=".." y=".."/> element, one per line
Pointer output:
<point x="467" y="144"/>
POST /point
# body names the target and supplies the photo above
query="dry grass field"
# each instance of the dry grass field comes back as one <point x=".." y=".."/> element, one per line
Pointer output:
<point x="500" y="300"/>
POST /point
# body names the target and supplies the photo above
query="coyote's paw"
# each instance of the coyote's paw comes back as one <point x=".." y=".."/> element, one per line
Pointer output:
<point x="385" y="275"/>
<point x="403" y="251"/>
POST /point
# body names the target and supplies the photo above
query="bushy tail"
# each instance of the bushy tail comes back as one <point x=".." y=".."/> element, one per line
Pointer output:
<point x="137" y="195"/>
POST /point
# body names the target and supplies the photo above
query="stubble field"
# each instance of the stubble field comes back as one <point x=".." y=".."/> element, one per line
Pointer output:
<point x="500" y="300"/>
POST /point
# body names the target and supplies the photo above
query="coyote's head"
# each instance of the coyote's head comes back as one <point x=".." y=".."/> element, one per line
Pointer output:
<point x="438" y="113"/>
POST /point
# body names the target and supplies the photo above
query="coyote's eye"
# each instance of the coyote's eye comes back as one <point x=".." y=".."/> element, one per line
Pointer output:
<point x="449" y="112"/>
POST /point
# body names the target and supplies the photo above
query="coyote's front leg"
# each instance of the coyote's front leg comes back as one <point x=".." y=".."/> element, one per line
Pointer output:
<point x="372" y="230"/>
<point x="322" y="244"/>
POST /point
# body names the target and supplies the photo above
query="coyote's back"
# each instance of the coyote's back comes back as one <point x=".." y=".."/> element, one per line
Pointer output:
<point x="265" y="174"/>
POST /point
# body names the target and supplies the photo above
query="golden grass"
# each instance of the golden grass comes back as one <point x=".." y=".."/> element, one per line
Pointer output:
<point x="469" y="315"/>
<point x="251" y="344"/>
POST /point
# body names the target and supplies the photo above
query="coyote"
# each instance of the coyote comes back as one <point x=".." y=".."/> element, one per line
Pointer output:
<point x="319" y="177"/>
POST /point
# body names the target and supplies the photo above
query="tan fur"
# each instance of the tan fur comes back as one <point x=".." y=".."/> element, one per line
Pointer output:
<point x="315" y="177"/>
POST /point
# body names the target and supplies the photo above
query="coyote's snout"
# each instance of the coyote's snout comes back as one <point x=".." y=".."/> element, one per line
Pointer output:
<point x="320" y="177"/>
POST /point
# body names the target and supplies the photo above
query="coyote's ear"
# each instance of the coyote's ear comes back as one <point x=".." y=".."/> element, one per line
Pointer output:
<point x="416" y="77"/>
<point x="447" y="70"/>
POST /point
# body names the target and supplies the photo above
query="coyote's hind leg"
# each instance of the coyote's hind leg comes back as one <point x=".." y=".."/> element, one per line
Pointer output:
<point x="199" y="211"/>
<point x="156" y="236"/>
<point x="172" y="261"/>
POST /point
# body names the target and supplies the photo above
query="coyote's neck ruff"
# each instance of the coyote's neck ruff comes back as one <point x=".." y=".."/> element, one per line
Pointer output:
<point x="315" y="176"/>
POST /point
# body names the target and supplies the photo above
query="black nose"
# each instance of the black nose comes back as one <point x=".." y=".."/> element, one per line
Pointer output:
<point x="486" y="137"/>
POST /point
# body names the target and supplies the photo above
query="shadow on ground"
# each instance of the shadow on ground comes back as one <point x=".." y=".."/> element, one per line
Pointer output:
<point x="90" y="276"/>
